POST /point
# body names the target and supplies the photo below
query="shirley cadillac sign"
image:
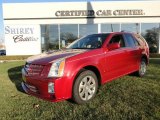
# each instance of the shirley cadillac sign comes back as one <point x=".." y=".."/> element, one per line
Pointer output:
<point x="22" y="39"/>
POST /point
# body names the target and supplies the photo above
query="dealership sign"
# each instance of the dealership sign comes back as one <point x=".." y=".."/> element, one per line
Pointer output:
<point x="22" y="39"/>
<point x="99" y="13"/>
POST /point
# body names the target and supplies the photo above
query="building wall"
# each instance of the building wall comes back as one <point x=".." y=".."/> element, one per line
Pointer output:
<point x="138" y="16"/>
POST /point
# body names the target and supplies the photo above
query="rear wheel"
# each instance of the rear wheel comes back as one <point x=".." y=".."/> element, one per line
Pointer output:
<point x="142" y="68"/>
<point x="85" y="87"/>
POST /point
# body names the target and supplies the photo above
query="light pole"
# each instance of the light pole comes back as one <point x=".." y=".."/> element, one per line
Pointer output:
<point x="158" y="39"/>
<point x="137" y="28"/>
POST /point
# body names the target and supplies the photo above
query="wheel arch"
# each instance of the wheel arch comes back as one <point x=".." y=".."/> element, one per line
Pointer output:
<point x="146" y="58"/>
<point x="93" y="69"/>
<point x="76" y="67"/>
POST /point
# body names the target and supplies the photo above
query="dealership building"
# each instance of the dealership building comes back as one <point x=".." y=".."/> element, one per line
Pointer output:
<point x="31" y="28"/>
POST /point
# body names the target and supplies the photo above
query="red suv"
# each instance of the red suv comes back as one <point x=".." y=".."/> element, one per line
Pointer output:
<point x="79" y="70"/>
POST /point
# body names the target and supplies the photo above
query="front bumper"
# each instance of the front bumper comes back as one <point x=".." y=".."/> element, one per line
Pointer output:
<point x="38" y="87"/>
<point x="34" y="92"/>
<point x="25" y="88"/>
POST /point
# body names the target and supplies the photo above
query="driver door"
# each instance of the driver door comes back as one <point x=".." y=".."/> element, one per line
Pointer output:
<point x="116" y="59"/>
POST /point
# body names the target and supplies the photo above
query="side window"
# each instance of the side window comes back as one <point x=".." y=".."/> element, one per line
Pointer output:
<point x="118" y="39"/>
<point x="131" y="42"/>
<point x="140" y="39"/>
<point x="136" y="42"/>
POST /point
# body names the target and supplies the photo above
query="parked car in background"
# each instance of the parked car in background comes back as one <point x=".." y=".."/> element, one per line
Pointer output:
<point x="2" y="52"/>
<point x="87" y="63"/>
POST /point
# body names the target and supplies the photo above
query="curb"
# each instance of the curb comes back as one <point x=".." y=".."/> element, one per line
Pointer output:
<point x="154" y="58"/>
<point x="3" y="61"/>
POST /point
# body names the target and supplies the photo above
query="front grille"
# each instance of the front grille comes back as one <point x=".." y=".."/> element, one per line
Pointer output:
<point x="33" y="69"/>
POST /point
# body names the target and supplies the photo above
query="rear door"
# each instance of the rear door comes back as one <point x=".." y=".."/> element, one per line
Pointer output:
<point x="133" y="52"/>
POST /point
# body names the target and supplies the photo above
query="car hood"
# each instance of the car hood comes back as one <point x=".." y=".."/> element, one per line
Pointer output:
<point x="50" y="57"/>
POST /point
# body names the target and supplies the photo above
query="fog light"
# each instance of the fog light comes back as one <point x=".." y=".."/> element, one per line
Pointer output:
<point x="50" y="87"/>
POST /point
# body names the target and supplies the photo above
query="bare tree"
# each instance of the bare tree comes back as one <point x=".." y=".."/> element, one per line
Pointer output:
<point x="69" y="37"/>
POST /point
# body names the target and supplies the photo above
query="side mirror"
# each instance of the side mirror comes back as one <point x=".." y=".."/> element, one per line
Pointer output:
<point x="113" y="46"/>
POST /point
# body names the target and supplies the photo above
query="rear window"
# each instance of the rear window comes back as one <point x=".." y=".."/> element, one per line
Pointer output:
<point x="140" y="39"/>
<point x="131" y="42"/>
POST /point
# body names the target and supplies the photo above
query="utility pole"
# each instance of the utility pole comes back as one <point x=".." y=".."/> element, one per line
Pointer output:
<point x="137" y="28"/>
<point x="112" y="27"/>
<point x="158" y="39"/>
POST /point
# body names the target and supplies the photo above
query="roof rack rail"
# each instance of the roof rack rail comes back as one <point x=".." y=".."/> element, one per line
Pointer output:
<point x="125" y="31"/>
<point x="130" y="31"/>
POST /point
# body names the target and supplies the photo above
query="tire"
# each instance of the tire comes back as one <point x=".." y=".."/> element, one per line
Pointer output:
<point x="142" y="68"/>
<point x="85" y="87"/>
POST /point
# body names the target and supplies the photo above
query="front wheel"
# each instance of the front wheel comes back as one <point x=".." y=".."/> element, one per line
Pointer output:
<point x="85" y="87"/>
<point x="142" y="68"/>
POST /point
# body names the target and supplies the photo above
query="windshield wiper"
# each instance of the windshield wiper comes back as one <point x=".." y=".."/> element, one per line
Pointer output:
<point x="83" y="48"/>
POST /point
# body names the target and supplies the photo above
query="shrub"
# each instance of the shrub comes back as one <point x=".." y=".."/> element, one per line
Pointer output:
<point x="154" y="55"/>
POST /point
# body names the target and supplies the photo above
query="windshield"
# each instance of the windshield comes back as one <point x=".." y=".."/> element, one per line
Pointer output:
<point x="89" y="42"/>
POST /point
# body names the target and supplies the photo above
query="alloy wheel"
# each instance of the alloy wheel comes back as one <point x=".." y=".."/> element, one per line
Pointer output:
<point x="87" y="88"/>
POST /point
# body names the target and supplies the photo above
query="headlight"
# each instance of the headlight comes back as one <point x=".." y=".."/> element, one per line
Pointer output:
<point x="57" y="68"/>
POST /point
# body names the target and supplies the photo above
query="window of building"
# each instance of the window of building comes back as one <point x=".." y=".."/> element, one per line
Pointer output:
<point x="130" y="27"/>
<point x="68" y="33"/>
<point x="110" y="27"/>
<point x="49" y="37"/>
<point x="54" y="36"/>
<point x="86" y="29"/>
